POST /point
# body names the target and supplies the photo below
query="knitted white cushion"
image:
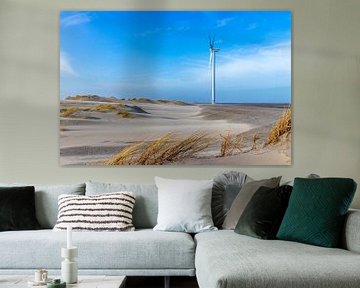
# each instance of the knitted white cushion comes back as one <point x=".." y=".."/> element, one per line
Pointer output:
<point x="105" y="212"/>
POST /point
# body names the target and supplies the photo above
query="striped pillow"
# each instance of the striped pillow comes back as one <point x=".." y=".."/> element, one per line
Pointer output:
<point x="105" y="212"/>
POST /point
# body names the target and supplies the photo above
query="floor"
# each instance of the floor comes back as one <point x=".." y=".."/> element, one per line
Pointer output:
<point x="158" y="282"/>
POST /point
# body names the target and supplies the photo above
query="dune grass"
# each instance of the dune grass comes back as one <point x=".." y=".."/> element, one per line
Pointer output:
<point x="174" y="102"/>
<point x="68" y="111"/>
<point x="92" y="98"/>
<point x="141" y="100"/>
<point x="256" y="137"/>
<point x="230" y="144"/>
<point x="281" y="127"/>
<point x="103" y="108"/>
<point x="117" y="107"/>
<point x="181" y="103"/>
<point x="125" y="114"/>
<point x="166" y="149"/>
<point x="159" y="101"/>
<point x="107" y="107"/>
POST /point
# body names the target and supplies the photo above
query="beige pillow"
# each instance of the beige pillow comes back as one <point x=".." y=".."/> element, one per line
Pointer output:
<point x="243" y="198"/>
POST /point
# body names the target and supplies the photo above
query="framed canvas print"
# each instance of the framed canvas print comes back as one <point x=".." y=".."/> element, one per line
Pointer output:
<point x="175" y="88"/>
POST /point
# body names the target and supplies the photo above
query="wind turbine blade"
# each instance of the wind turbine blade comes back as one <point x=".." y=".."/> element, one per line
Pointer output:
<point x="210" y="43"/>
<point x="210" y="61"/>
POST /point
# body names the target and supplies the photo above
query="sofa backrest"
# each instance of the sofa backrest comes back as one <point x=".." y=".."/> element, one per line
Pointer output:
<point x="146" y="203"/>
<point x="351" y="237"/>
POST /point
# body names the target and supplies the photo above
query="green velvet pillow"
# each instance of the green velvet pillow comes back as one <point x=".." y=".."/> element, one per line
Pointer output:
<point x="17" y="209"/>
<point x="316" y="211"/>
<point x="263" y="215"/>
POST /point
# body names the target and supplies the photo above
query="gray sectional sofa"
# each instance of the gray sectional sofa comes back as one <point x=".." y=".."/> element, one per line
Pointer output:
<point x="219" y="259"/>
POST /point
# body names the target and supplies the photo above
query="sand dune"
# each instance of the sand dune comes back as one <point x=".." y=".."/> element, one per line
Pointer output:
<point x="88" y="136"/>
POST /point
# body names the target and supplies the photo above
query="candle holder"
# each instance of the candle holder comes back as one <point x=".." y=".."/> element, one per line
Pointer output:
<point x="69" y="271"/>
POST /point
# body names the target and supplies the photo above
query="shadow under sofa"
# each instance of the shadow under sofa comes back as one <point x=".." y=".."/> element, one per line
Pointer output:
<point x="220" y="259"/>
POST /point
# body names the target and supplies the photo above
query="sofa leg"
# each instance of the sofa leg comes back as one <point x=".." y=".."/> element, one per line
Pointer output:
<point x="167" y="282"/>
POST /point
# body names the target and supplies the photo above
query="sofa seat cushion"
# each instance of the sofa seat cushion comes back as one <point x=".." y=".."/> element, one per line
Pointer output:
<point x="225" y="259"/>
<point x="142" y="249"/>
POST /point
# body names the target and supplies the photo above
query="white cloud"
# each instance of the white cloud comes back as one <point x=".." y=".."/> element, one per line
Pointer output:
<point x="75" y="19"/>
<point x="223" y="22"/>
<point x="264" y="67"/>
<point x="250" y="68"/>
<point x="242" y="68"/>
<point x="65" y="65"/>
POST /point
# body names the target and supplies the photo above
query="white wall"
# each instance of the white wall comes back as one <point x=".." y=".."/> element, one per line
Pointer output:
<point x="326" y="90"/>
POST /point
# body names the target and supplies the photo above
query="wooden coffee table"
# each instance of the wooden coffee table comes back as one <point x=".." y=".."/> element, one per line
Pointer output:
<point x="83" y="282"/>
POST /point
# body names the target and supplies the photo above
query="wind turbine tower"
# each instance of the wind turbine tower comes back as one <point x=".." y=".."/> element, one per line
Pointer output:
<point x="213" y="52"/>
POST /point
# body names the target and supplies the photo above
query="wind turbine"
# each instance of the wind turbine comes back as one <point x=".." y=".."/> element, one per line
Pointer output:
<point x="213" y="50"/>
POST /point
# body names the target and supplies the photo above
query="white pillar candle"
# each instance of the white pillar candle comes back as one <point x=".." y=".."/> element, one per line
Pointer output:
<point x="69" y="237"/>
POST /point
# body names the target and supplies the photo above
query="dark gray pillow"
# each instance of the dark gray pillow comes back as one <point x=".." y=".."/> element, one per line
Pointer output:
<point x="226" y="187"/>
<point x="263" y="214"/>
<point x="243" y="198"/>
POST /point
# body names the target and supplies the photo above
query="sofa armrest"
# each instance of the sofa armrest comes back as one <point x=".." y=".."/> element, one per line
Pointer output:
<point x="351" y="234"/>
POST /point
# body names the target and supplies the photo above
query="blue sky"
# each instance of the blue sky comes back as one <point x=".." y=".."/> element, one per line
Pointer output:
<point x="165" y="55"/>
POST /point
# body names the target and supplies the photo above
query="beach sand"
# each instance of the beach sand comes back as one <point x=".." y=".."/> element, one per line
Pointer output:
<point x="93" y="132"/>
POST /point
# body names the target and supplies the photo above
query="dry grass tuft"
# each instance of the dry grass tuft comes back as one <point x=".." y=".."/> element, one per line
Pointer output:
<point x="127" y="155"/>
<point x="282" y="126"/>
<point x="181" y="103"/>
<point x="174" y="102"/>
<point x="160" y="101"/>
<point x="68" y="111"/>
<point x="92" y="98"/>
<point x="125" y="114"/>
<point x="230" y="143"/>
<point x="141" y="100"/>
<point x="165" y="149"/>
<point x="107" y="107"/>
<point x="256" y="137"/>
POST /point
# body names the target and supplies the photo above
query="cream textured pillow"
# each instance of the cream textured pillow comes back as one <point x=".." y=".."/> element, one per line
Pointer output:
<point x="105" y="212"/>
<point x="184" y="205"/>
